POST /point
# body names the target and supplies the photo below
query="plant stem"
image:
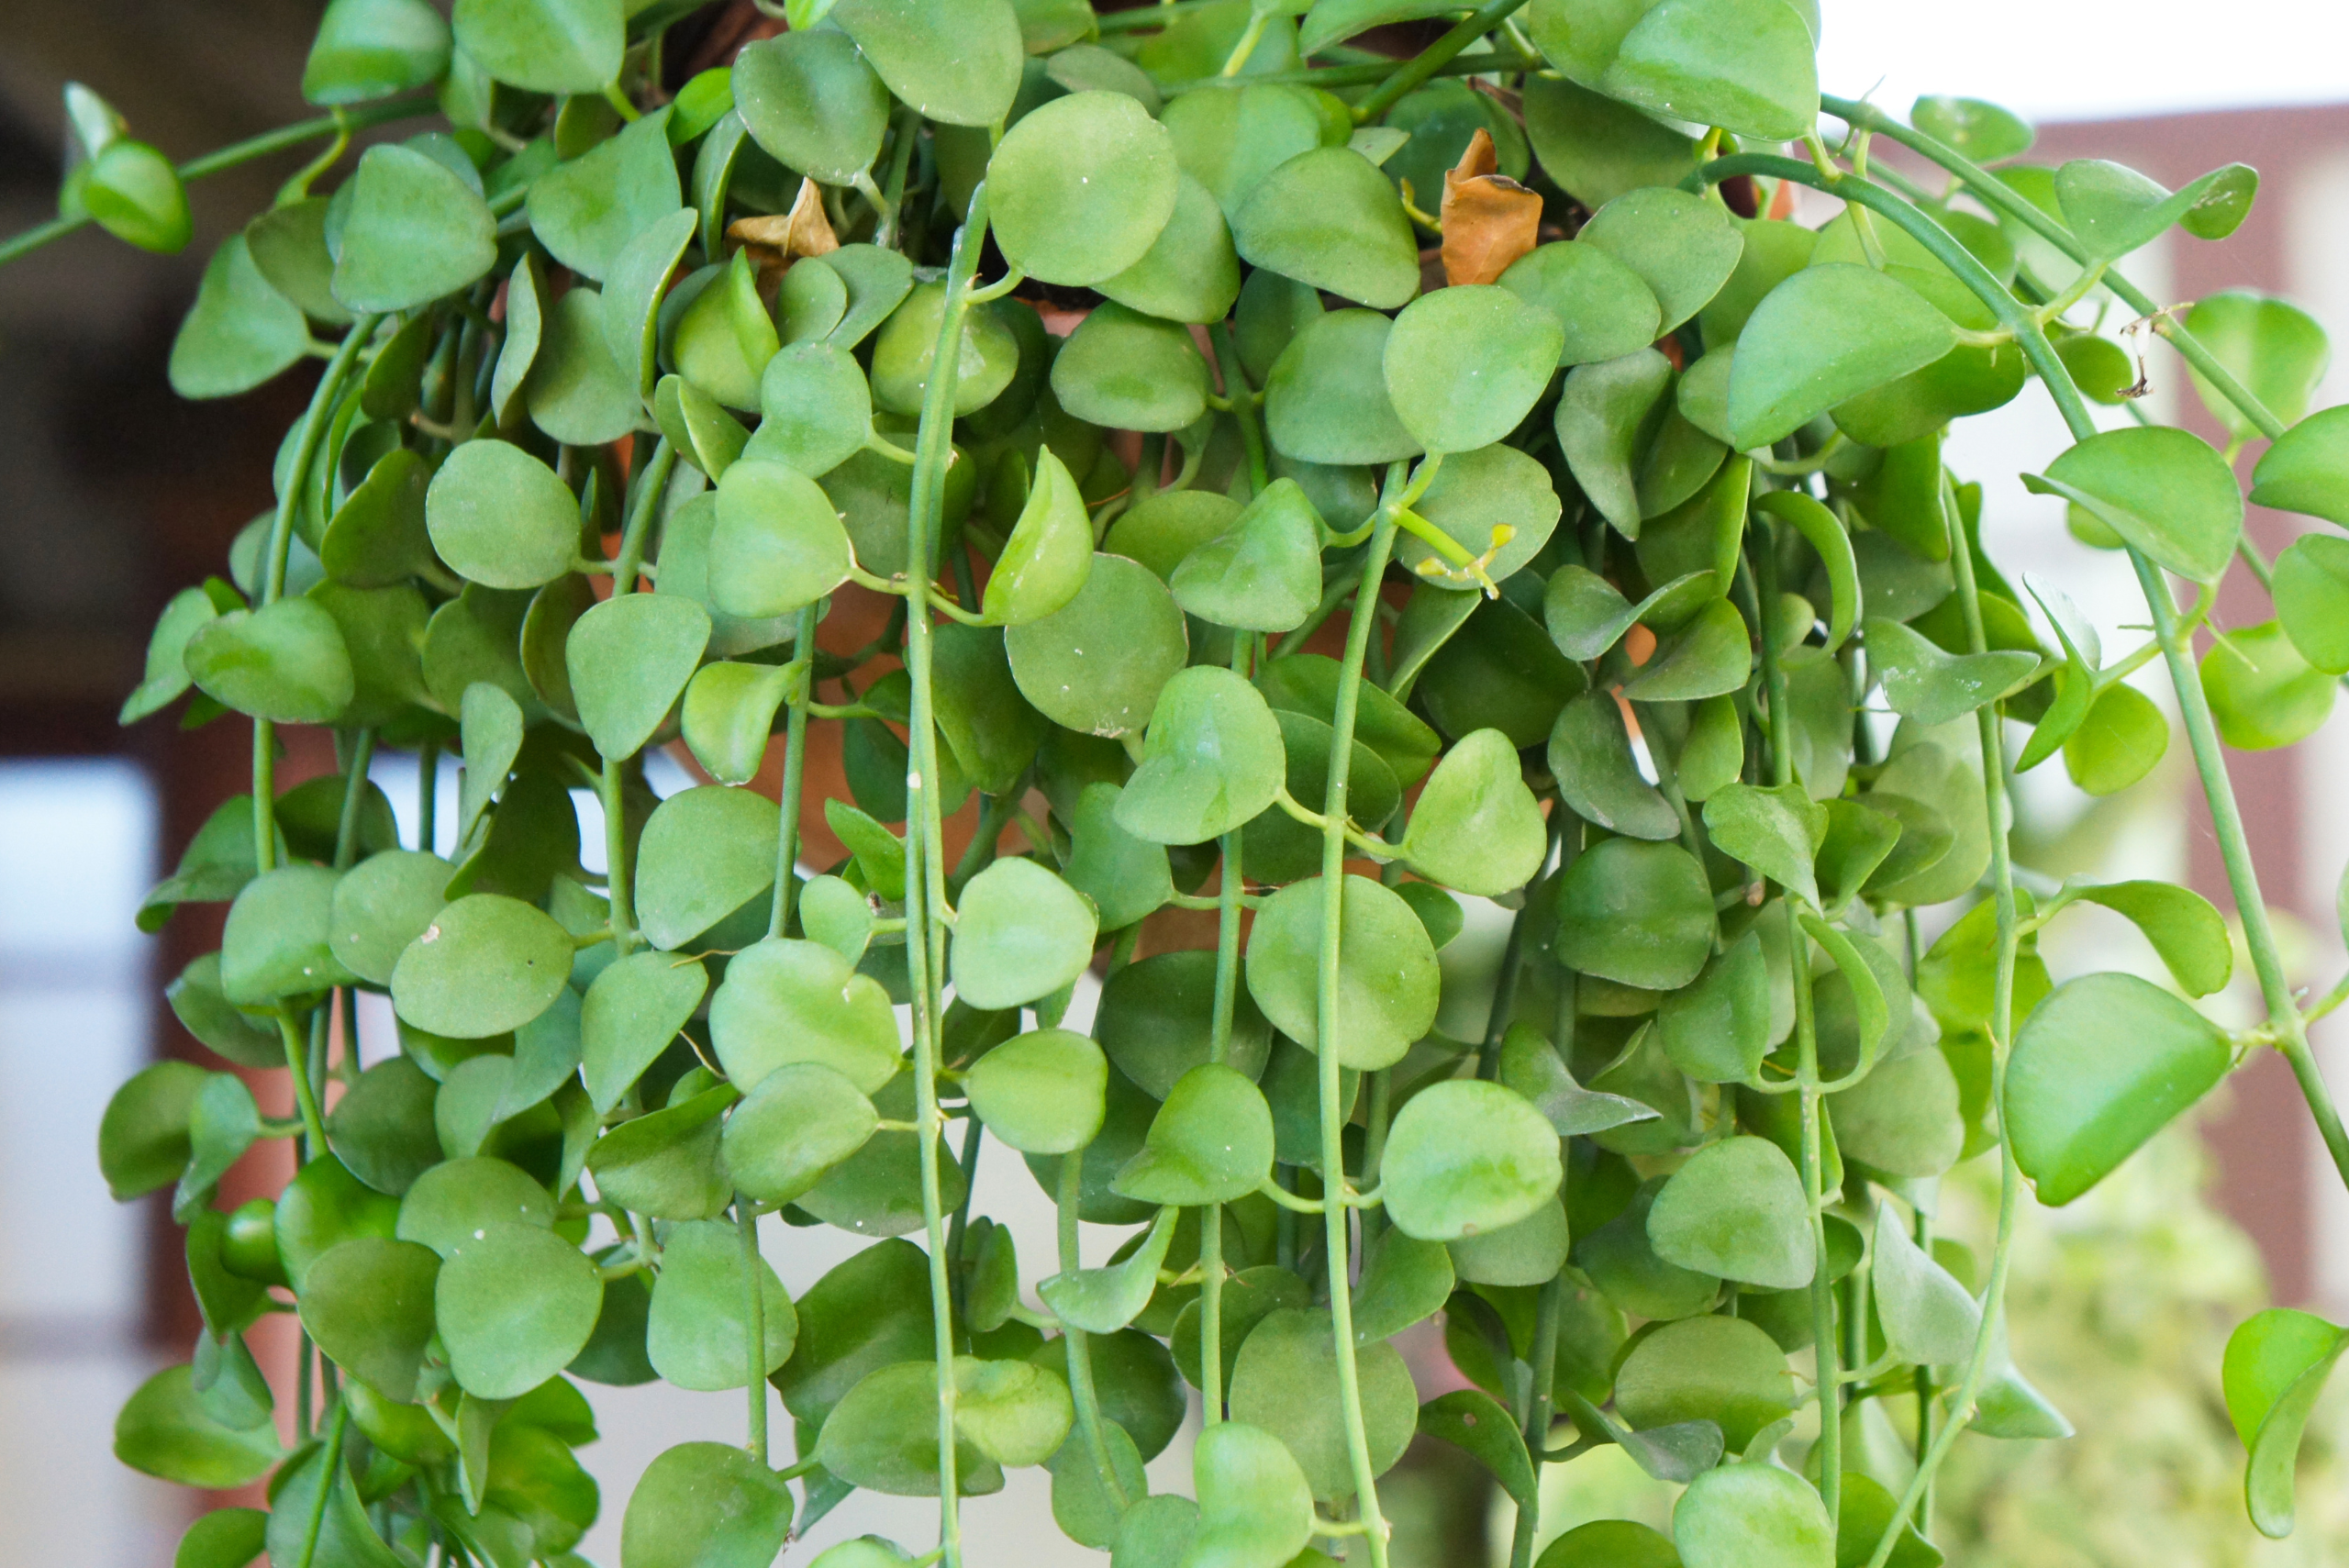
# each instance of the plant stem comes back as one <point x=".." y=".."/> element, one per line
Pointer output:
<point x="358" y="118"/>
<point x="1433" y="58"/>
<point x="427" y="795"/>
<point x="795" y="775"/>
<point x="1362" y="75"/>
<point x="1227" y="998"/>
<point x="754" y="1320"/>
<point x="609" y="781"/>
<point x="1534" y="1420"/>
<point x="1082" y="1392"/>
<point x="926" y="912"/>
<point x="1329" y="1046"/>
<point x="329" y="1471"/>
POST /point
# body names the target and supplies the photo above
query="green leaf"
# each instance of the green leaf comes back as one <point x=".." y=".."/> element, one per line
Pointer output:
<point x="1476" y="828"/>
<point x="1049" y="555"/>
<point x="1752" y="1515"/>
<point x="1931" y="687"/>
<point x="1190" y="273"/>
<point x="367" y="1303"/>
<point x="2101" y="1065"/>
<point x="143" y="1137"/>
<point x="134" y="193"/>
<point x="1255" y="1506"/>
<point x="285" y="662"/>
<point x="1610" y="1543"/>
<point x="1211" y="759"/>
<point x="415" y="231"/>
<point x="1778" y="832"/>
<point x="1386" y="982"/>
<point x="696" y="1331"/>
<point x="1014" y="1412"/>
<point x="487" y="963"/>
<point x="784" y="1001"/>
<point x="224" y="1538"/>
<point x="240" y="332"/>
<point x="1285" y="1382"/>
<point x="705" y="1504"/>
<point x="1595" y="148"/>
<point x="2276" y="350"/>
<point x="1080" y="188"/>
<point x="278" y="940"/>
<point x="1825" y="336"/>
<point x="1635" y="913"/>
<point x="957" y="60"/>
<point x="501" y="517"/>
<point x="1325" y="399"/>
<point x="1736" y="1210"/>
<point x="729" y="713"/>
<point x="2190" y="935"/>
<point x="1466" y="1157"/>
<point x="634" y="290"/>
<point x="1472" y="1422"/>
<point x="1603" y="307"/>
<point x="800" y="1122"/>
<point x="1212" y="1143"/>
<point x="1981" y="131"/>
<point x="725" y="337"/>
<point x="1825" y="533"/>
<point x="1126" y="371"/>
<point x="812" y="103"/>
<point x="2162" y="490"/>
<point x="1607" y="411"/>
<point x="2112" y="210"/>
<point x="1722" y="1369"/>
<point x="705" y="853"/>
<point x="490" y="724"/>
<point x="816" y="408"/>
<point x="1464" y="365"/>
<point x="1590" y="757"/>
<point x="2262" y="692"/>
<point x="1020" y="933"/>
<point x="1494" y="503"/>
<point x="704" y="434"/>
<point x="667" y="1164"/>
<point x="1104" y="1300"/>
<point x="164" y="1431"/>
<point x="836" y="913"/>
<point x="1865" y="1514"/>
<point x="1264" y="572"/>
<point x="373" y="49"/>
<point x="2117" y="743"/>
<point x="1041" y="1092"/>
<point x="515" y="1305"/>
<point x="586" y="211"/>
<point x="629" y="658"/>
<point x="323" y="1206"/>
<point x="378" y="538"/>
<point x="2307" y="470"/>
<point x="1683" y="247"/>
<point x="1744" y="66"/>
<point x="778" y="544"/>
<point x="2276" y="1363"/>
<point x="2312" y="590"/>
<point x="1156" y="1019"/>
<point x="1096" y="664"/>
<point x="1328" y="218"/>
<point x="1929" y="1319"/>
<point x="544" y="46"/>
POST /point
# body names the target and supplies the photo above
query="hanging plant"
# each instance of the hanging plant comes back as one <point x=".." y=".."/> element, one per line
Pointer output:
<point x="1176" y="461"/>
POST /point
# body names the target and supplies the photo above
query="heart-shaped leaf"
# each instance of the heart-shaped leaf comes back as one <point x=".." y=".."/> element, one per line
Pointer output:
<point x="1466" y="1157"/>
<point x="1211" y="1142"/>
<point x="1778" y="832"/>
<point x="1386" y="976"/>
<point x="809" y="99"/>
<point x="786" y="1000"/>
<point x="629" y="658"/>
<point x="1211" y="759"/>
<point x="1929" y="1319"/>
<point x="1049" y="555"/>
<point x="1924" y="683"/>
<point x="2162" y="490"/>
<point x="240" y="332"/>
<point x="778" y="544"/>
<point x="1752" y="1515"/>
<point x="1825" y="336"/>
<point x="285" y="662"/>
<point x="415" y="231"/>
<point x="1081" y="187"/>
<point x="631" y="1012"/>
<point x="799" y="1124"/>
<point x="1737" y="1210"/>
<point x="1744" y="66"/>
<point x="2276" y="1363"/>
<point x="1041" y="1092"/>
<point x="1328" y="218"/>
<point x="487" y="963"/>
<point x="1476" y="827"/>
<point x="1636" y="913"/>
<point x="1464" y="365"/>
<point x="1020" y="933"/>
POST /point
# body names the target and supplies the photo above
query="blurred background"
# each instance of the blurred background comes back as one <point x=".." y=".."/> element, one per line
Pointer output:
<point x="112" y="494"/>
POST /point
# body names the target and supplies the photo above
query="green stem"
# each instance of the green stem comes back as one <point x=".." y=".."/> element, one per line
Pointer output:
<point x="611" y="779"/>
<point x="1365" y="75"/>
<point x="305" y="1095"/>
<point x="1228" y="894"/>
<point x="1244" y="405"/>
<point x="926" y="912"/>
<point x="239" y="152"/>
<point x="1534" y="1419"/>
<point x="329" y="1471"/>
<point x="754" y="1318"/>
<point x="427" y="795"/>
<point x="1082" y="1392"/>
<point x="893" y="196"/>
<point x="1328" y="1047"/>
<point x="1437" y="55"/>
<point x="354" y="795"/>
<point x="794" y="777"/>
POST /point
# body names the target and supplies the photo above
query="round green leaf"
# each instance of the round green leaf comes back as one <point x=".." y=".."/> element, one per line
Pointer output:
<point x="487" y="965"/>
<point x="794" y="1128"/>
<point x="501" y="517"/>
<point x="1743" y="65"/>
<point x="2101" y="1065"/>
<point x="1683" y="247"/>
<point x="784" y="1001"/>
<point x="544" y="46"/>
<point x="1737" y="1210"/>
<point x="1637" y="912"/>
<point x="1603" y="309"/>
<point x="778" y="544"/>
<point x="1722" y="1369"/>
<point x="285" y="662"/>
<point x="2274" y="347"/>
<point x="1822" y="338"/>
<point x="958" y="62"/>
<point x="1081" y="188"/>
<point x="1156" y="1021"/>
<point x="724" y="339"/>
<point x="415" y="231"/>
<point x="2164" y="491"/>
<point x="2312" y="600"/>
<point x="1020" y="933"/>
<point x="987" y="361"/>
<point x="1041" y="1092"/>
<point x="1752" y="1515"/>
<point x="704" y="854"/>
<point x="1464" y="365"/>
<point x="373" y="49"/>
<point x="696" y="1331"/>
<point x="705" y="1504"/>
<point x="164" y="1431"/>
<point x="322" y="1206"/>
<point x="1476" y="827"/>
<point x="1211" y="1142"/>
<point x="1610" y="1543"/>
<point x="2262" y="692"/>
<point x="2117" y="743"/>
<point x="240" y="332"/>
<point x="728" y="714"/>
<point x="1386" y="975"/>
<point x="367" y="1303"/>
<point x="457" y="1200"/>
<point x="1255" y="1504"/>
<point x="818" y="410"/>
<point x="515" y="1304"/>
<point x="1096" y="664"/>
<point x="1211" y="760"/>
<point x="1325" y="400"/>
<point x="587" y="211"/>
<point x="279" y="939"/>
<point x="134" y="193"/>
<point x="884" y="1436"/>
<point x="1190" y="273"/>
<point x="1260" y="573"/>
<point x="1229" y="141"/>
<point x="1328" y="218"/>
<point x="628" y="659"/>
<point x="1126" y="371"/>
<point x="2307" y="468"/>
<point x="809" y="99"/>
<point x="1466" y="1157"/>
<point x="1286" y="1383"/>
<point x="631" y="1012"/>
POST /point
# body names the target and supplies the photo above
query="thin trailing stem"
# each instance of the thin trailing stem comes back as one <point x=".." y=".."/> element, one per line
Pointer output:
<point x="1436" y="56"/>
<point x="1533" y="1418"/>
<point x="754" y="1324"/>
<point x="1228" y="896"/>
<point x="1243" y="405"/>
<point x="1329" y="1045"/>
<point x="1082" y="1392"/>
<point x="795" y="777"/>
<point x="610" y="781"/>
